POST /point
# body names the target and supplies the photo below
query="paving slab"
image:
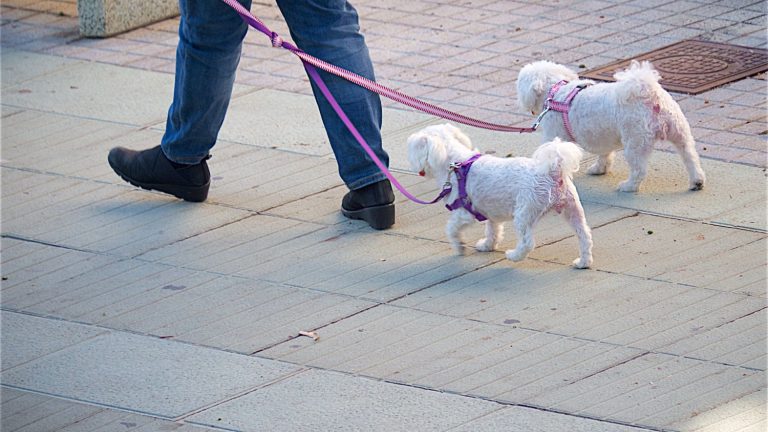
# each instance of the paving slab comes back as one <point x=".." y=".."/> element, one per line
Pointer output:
<point x="458" y="355"/>
<point x="263" y="315"/>
<point x="533" y="420"/>
<point x="66" y="145"/>
<point x="142" y="98"/>
<point x="747" y="413"/>
<point x="21" y="66"/>
<point x="169" y="302"/>
<point x="655" y="390"/>
<point x="121" y="221"/>
<point x="339" y="259"/>
<point x="330" y="400"/>
<point x="20" y="329"/>
<point x="653" y="246"/>
<point x="734" y="195"/>
<point x="32" y="412"/>
<point x="259" y="179"/>
<point x="740" y="342"/>
<point x="87" y="89"/>
<point x="143" y="374"/>
<point x="244" y="176"/>
<point x="615" y="309"/>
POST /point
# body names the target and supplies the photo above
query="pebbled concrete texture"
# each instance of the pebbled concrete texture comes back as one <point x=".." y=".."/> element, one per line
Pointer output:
<point x="101" y="18"/>
<point x="732" y="197"/>
<point x="149" y="375"/>
<point x="123" y="309"/>
<point x="331" y="400"/>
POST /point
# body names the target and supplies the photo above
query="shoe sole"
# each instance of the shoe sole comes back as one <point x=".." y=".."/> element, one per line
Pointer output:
<point x="187" y="193"/>
<point x="378" y="217"/>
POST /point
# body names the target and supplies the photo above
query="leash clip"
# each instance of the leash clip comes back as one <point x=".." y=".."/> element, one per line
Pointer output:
<point x="541" y="116"/>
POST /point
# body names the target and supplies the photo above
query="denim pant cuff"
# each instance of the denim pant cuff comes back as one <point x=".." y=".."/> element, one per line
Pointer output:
<point x="191" y="160"/>
<point x="365" y="181"/>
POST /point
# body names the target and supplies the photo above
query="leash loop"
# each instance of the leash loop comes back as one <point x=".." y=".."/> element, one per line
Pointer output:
<point x="277" y="41"/>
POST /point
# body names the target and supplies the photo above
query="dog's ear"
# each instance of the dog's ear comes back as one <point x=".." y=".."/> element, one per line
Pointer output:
<point x="531" y="85"/>
<point x="461" y="137"/>
<point x="535" y="80"/>
<point x="436" y="154"/>
<point x="418" y="151"/>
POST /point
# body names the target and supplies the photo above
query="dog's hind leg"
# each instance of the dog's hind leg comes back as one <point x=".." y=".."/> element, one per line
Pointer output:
<point x="525" y="220"/>
<point x="684" y="143"/>
<point x="573" y="212"/>
<point x="494" y="233"/>
<point x="637" y="149"/>
<point x="602" y="165"/>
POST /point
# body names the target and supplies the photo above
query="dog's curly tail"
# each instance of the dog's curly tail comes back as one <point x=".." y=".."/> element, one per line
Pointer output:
<point x="643" y="71"/>
<point x="559" y="156"/>
<point x="639" y="82"/>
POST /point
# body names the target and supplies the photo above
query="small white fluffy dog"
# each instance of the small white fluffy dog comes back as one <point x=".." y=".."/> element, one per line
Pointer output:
<point x="633" y="113"/>
<point x="502" y="189"/>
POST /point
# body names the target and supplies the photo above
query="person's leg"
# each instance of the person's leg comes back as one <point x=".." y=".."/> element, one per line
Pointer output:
<point x="330" y="31"/>
<point x="210" y="40"/>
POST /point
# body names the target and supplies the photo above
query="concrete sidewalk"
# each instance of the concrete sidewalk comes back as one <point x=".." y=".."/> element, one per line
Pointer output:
<point x="125" y="310"/>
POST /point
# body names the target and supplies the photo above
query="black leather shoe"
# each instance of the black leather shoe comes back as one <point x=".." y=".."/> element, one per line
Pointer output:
<point x="151" y="170"/>
<point x="373" y="203"/>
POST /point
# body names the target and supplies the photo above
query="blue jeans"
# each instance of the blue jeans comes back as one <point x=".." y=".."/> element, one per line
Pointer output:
<point x="210" y="40"/>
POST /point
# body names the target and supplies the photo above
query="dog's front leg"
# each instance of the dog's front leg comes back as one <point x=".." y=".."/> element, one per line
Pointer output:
<point x="573" y="212"/>
<point x="453" y="229"/>
<point x="602" y="165"/>
<point x="494" y="232"/>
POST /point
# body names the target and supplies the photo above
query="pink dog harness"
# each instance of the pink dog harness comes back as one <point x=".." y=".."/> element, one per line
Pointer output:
<point x="562" y="106"/>
<point x="462" y="201"/>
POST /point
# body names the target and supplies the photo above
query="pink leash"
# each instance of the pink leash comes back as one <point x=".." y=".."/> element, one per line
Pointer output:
<point x="311" y="62"/>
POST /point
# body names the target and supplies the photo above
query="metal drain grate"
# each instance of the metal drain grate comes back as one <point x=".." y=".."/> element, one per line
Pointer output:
<point x="694" y="66"/>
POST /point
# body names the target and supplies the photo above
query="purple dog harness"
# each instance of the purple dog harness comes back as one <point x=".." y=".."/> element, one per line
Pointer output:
<point x="462" y="201"/>
<point x="562" y="106"/>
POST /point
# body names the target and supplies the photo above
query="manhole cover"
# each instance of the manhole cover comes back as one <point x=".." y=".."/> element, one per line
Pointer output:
<point x="694" y="66"/>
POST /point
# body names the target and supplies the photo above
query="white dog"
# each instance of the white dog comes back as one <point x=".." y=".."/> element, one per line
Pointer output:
<point x="502" y="189"/>
<point x="634" y="113"/>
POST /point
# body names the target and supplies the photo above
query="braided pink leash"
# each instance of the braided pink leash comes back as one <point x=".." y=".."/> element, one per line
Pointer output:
<point x="311" y="62"/>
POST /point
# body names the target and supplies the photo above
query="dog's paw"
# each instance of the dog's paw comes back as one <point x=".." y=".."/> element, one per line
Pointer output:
<point x="582" y="263"/>
<point x="597" y="169"/>
<point x="628" y="186"/>
<point x="484" y="245"/>
<point x="515" y="255"/>
<point x="696" y="185"/>
<point x="459" y="248"/>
